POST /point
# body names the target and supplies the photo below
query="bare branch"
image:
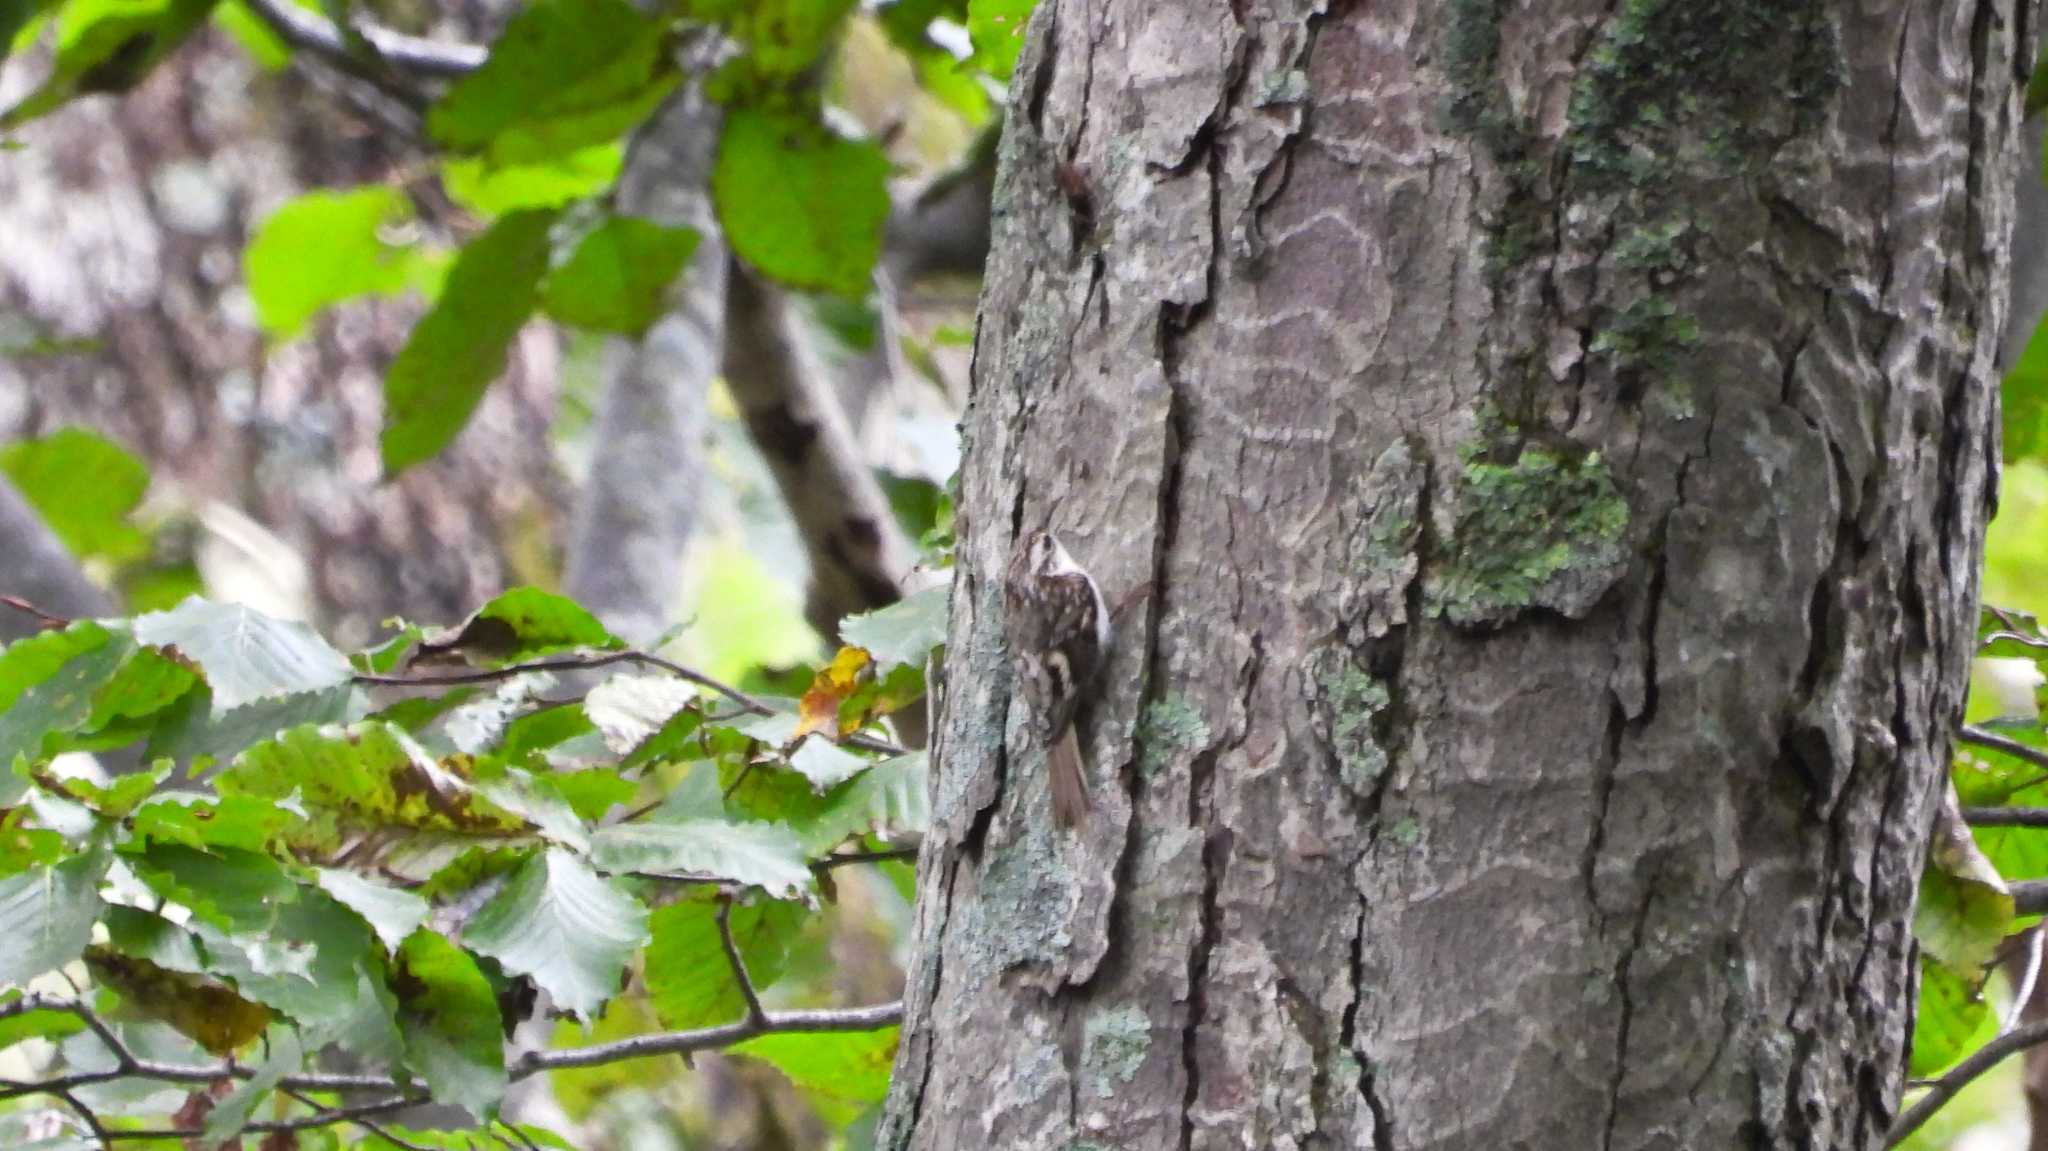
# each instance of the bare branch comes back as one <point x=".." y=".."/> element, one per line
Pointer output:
<point x="849" y="858"/>
<point x="92" y="1121"/>
<point x="2029" y="896"/>
<point x="755" y="1013"/>
<point x="413" y="55"/>
<point x="605" y="659"/>
<point x="1946" y="1088"/>
<point x="1984" y="737"/>
<point x="532" y="1063"/>
<point x="360" y="1116"/>
<point x="858" y="553"/>
<point x="323" y="1116"/>
<point x="2006" y="816"/>
<point x="710" y="1038"/>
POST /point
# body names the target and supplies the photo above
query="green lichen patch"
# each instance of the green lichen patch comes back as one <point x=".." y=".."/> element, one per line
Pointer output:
<point x="1542" y="532"/>
<point x="1719" y="81"/>
<point x="1113" y="1047"/>
<point x="1350" y="703"/>
<point x="1647" y="334"/>
<point x="1407" y="831"/>
<point x="1169" y="725"/>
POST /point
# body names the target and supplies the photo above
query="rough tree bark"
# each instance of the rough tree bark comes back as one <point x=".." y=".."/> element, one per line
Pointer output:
<point x="1545" y="449"/>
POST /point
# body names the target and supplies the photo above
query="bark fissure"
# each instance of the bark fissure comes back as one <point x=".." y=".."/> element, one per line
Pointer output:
<point x="1621" y="1029"/>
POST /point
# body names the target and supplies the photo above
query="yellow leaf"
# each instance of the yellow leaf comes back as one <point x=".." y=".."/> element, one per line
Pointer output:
<point x="208" y="1013"/>
<point x="818" y="711"/>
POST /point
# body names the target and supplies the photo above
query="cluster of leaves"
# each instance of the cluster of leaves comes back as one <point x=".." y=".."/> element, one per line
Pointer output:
<point x="1983" y="844"/>
<point x="531" y="143"/>
<point x="386" y="854"/>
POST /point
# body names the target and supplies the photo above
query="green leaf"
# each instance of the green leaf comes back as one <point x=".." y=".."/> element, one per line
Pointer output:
<point x="199" y="737"/>
<point x="799" y="203"/>
<point x="840" y="1073"/>
<point x="687" y="973"/>
<point x="492" y="189"/>
<point x="825" y="763"/>
<point x="783" y="38"/>
<point x="902" y="633"/>
<point x="269" y="50"/>
<point x="85" y="487"/>
<point x="460" y="346"/>
<point x="1964" y="910"/>
<point x="144" y="686"/>
<point x="631" y="710"/>
<point x="521" y="625"/>
<point x="997" y="30"/>
<point x="561" y="923"/>
<point x="548" y="727"/>
<point x="201" y="821"/>
<point x="49" y="913"/>
<point x="764" y="855"/>
<point x="245" y="655"/>
<point x="891" y="798"/>
<point x="368" y="776"/>
<point x="240" y="891"/>
<point x="595" y="791"/>
<point x="108" y="46"/>
<point x="1952" y="1020"/>
<point x="393" y="914"/>
<point x="306" y="967"/>
<point x="51" y="1025"/>
<point x="141" y="934"/>
<point x="325" y="247"/>
<point x="120" y="797"/>
<point x="617" y="279"/>
<point x="449" y="1017"/>
<point x="16" y="16"/>
<point x="48" y="684"/>
<point x="571" y="72"/>
<point x="2025" y="397"/>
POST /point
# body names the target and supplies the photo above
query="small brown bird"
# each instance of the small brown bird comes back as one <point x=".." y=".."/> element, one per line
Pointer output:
<point x="1059" y="632"/>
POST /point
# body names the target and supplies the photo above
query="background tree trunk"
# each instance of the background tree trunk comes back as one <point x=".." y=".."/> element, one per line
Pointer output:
<point x="124" y="220"/>
<point x="1546" y="451"/>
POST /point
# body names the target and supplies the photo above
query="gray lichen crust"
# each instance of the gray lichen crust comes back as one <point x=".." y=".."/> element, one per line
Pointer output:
<point x="1542" y="532"/>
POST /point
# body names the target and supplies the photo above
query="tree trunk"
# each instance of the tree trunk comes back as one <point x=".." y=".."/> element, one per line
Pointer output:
<point x="124" y="220"/>
<point x="1544" y="451"/>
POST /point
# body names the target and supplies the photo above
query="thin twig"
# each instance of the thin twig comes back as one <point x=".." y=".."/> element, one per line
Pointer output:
<point x="310" y="32"/>
<point x="360" y="1117"/>
<point x="2011" y="637"/>
<point x="322" y="1117"/>
<point x="1984" y="737"/>
<point x="92" y="1121"/>
<point x="2028" y="974"/>
<point x="43" y="618"/>
<point x="709" y="1038"/>
<point x="1959" y="1077"/>
<point x="849" y="858"/>
<point x="755" y="1013"/>
<point x="588" y="661"/>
